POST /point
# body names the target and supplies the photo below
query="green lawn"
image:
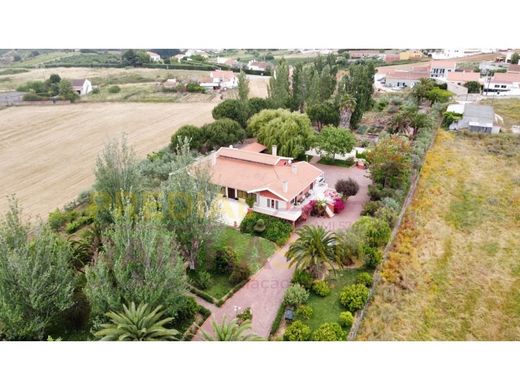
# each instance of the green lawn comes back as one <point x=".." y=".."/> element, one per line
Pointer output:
<point x="250" y="249"/>
<point x="327" y="309"/>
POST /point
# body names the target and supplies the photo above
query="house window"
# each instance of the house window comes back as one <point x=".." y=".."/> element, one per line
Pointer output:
<point x="272" y="203"/>
<point x="503" y="86"/>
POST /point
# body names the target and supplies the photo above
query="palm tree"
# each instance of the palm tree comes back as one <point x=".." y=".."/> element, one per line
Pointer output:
<point x="314" y="250"/>
<point x="231" y="331"/>
<point x="137" y="324"/>
<point x="346" y="107"/>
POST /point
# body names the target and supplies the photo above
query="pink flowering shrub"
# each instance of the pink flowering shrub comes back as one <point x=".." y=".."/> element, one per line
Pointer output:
<point x="339" y="205"/>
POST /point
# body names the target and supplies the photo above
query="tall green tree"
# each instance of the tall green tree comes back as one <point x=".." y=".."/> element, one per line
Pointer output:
<point x="243" y="86"/>
<point x="347" y="105"/>
<point x="188" y="204"/>
<point x="327" y="83"/>
<point x="291" y="132"/>
<point x="279" y="86"/>
<point x="117" y="172"/>
<point x="390" y="161"/>
<point x="515" y="57"/>
<point x="66" y="91"/>
<point x="359" y="84"/>
<point x="323" y="114"/>
<point x="332" y="140"/>
<point x="139" y="263"/>
<point x="36" y="279"/>
<point x="230" y="331"/>
<point x="298" y="88"/>
<point x="313" y="251"/>
<point x="139" y="323"/>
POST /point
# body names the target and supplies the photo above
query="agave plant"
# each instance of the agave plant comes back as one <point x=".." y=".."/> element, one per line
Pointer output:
<point x="231" y="331"/>
<point x="137" y="324"/>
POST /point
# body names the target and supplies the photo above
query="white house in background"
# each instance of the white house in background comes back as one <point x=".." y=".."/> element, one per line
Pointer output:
<point x="440" y="69"/>
<point x="258" y="65"/>
<point x="403" y="78"/>
<point x="503" y="84"/>
<point x="81" y="86"/>
<point x="154" y="57"/>
<point x="192" y="52"/>
<point x="225" y="78"/>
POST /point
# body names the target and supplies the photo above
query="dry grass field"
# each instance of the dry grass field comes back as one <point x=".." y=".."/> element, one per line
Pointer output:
<point x="508" y="109"/>
<point x="454" y="271"/>
<point x="48" y="153"/>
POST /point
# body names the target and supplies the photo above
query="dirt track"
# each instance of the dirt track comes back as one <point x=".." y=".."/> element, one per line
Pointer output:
<point x="48" y="153"/>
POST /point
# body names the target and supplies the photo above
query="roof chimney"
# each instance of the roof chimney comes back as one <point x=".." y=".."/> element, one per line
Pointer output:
<point x="230" y="146"/>
<point x="294" y="169"/>
<point x="285" y="184"/>
<point x="274" y="150"/>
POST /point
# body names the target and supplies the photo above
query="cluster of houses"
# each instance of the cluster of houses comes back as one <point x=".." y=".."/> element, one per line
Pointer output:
<point x="447" y="71"/>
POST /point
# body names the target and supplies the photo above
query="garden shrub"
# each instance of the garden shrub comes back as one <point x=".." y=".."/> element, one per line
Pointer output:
<point x="364" y="278"/>
<point x="295" y="295"/>
<point x="372" y="257"/>
<point x="240" y="271"/>
<point x="233" y="109"/>
<point x="304" y="312"/>
<point x="346" y="319"/>
<point x="246" y="315"/>
<point x="114" y="89"/>
<point x="195" y="88"/>
<point x="276" y="230"/>
<point x="297" y="331"/>
<point x="347" y="187"/>
<point x="391" y="203"/>
<point x="329" y="331"/>
<point x="77" y="224"/>
<point x="303" y="278"/>
<point x="339" y="205"/>
<point x="354" y="297"/>
<point x="202" y="279"/>
<point x="321" y="288"/>
<point x="387" y="214"/>
<point x="375" y="232"/>
<point x="349" y="246"/>
<point x="188" y="308"/>
<point x="225" y="258"/>
<point x="259" y="226"/>
<point x="57" y="219"/>
<point x="371" y="207"/>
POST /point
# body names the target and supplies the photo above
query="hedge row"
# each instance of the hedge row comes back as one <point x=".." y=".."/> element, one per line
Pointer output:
<point x="190" y="332"/>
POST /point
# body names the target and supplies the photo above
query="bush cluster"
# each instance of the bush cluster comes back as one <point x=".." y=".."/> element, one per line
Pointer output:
<point x="276" y="230"/>
<point x="346" y="319"/>
<point x="354" y="297"/>
<point x="329" y="331"/>
<point x="304" y="312"/>
<point x="297" y="331"/>
<point x="321" y="288"/>
<point x="295" y="295"/>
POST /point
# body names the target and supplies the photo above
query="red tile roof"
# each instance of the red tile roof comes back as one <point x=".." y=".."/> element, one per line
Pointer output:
<point x="244" y="171"/>
<point x="506" y="78"/>
<point x="463" y="76"/>
<point x="254" y="147"/>
<point x="404" y="75"/>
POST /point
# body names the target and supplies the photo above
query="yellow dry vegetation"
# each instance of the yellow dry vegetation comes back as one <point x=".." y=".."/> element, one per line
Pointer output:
<point x="48" y="153"/>
<point x="454" y="270"/>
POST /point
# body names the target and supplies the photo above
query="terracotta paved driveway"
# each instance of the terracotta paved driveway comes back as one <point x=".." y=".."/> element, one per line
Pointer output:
<point x="354" y="204"/>
<point x="263" y="294"/>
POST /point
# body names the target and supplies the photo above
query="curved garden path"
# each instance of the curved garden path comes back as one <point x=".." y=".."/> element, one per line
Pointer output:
<point x="263" y="294"/>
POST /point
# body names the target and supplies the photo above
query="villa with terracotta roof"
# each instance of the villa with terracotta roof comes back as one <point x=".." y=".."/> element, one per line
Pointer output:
<point x="280" y="187"/>
<point x="404" y="78"/>
<point x="503" y="83"/>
